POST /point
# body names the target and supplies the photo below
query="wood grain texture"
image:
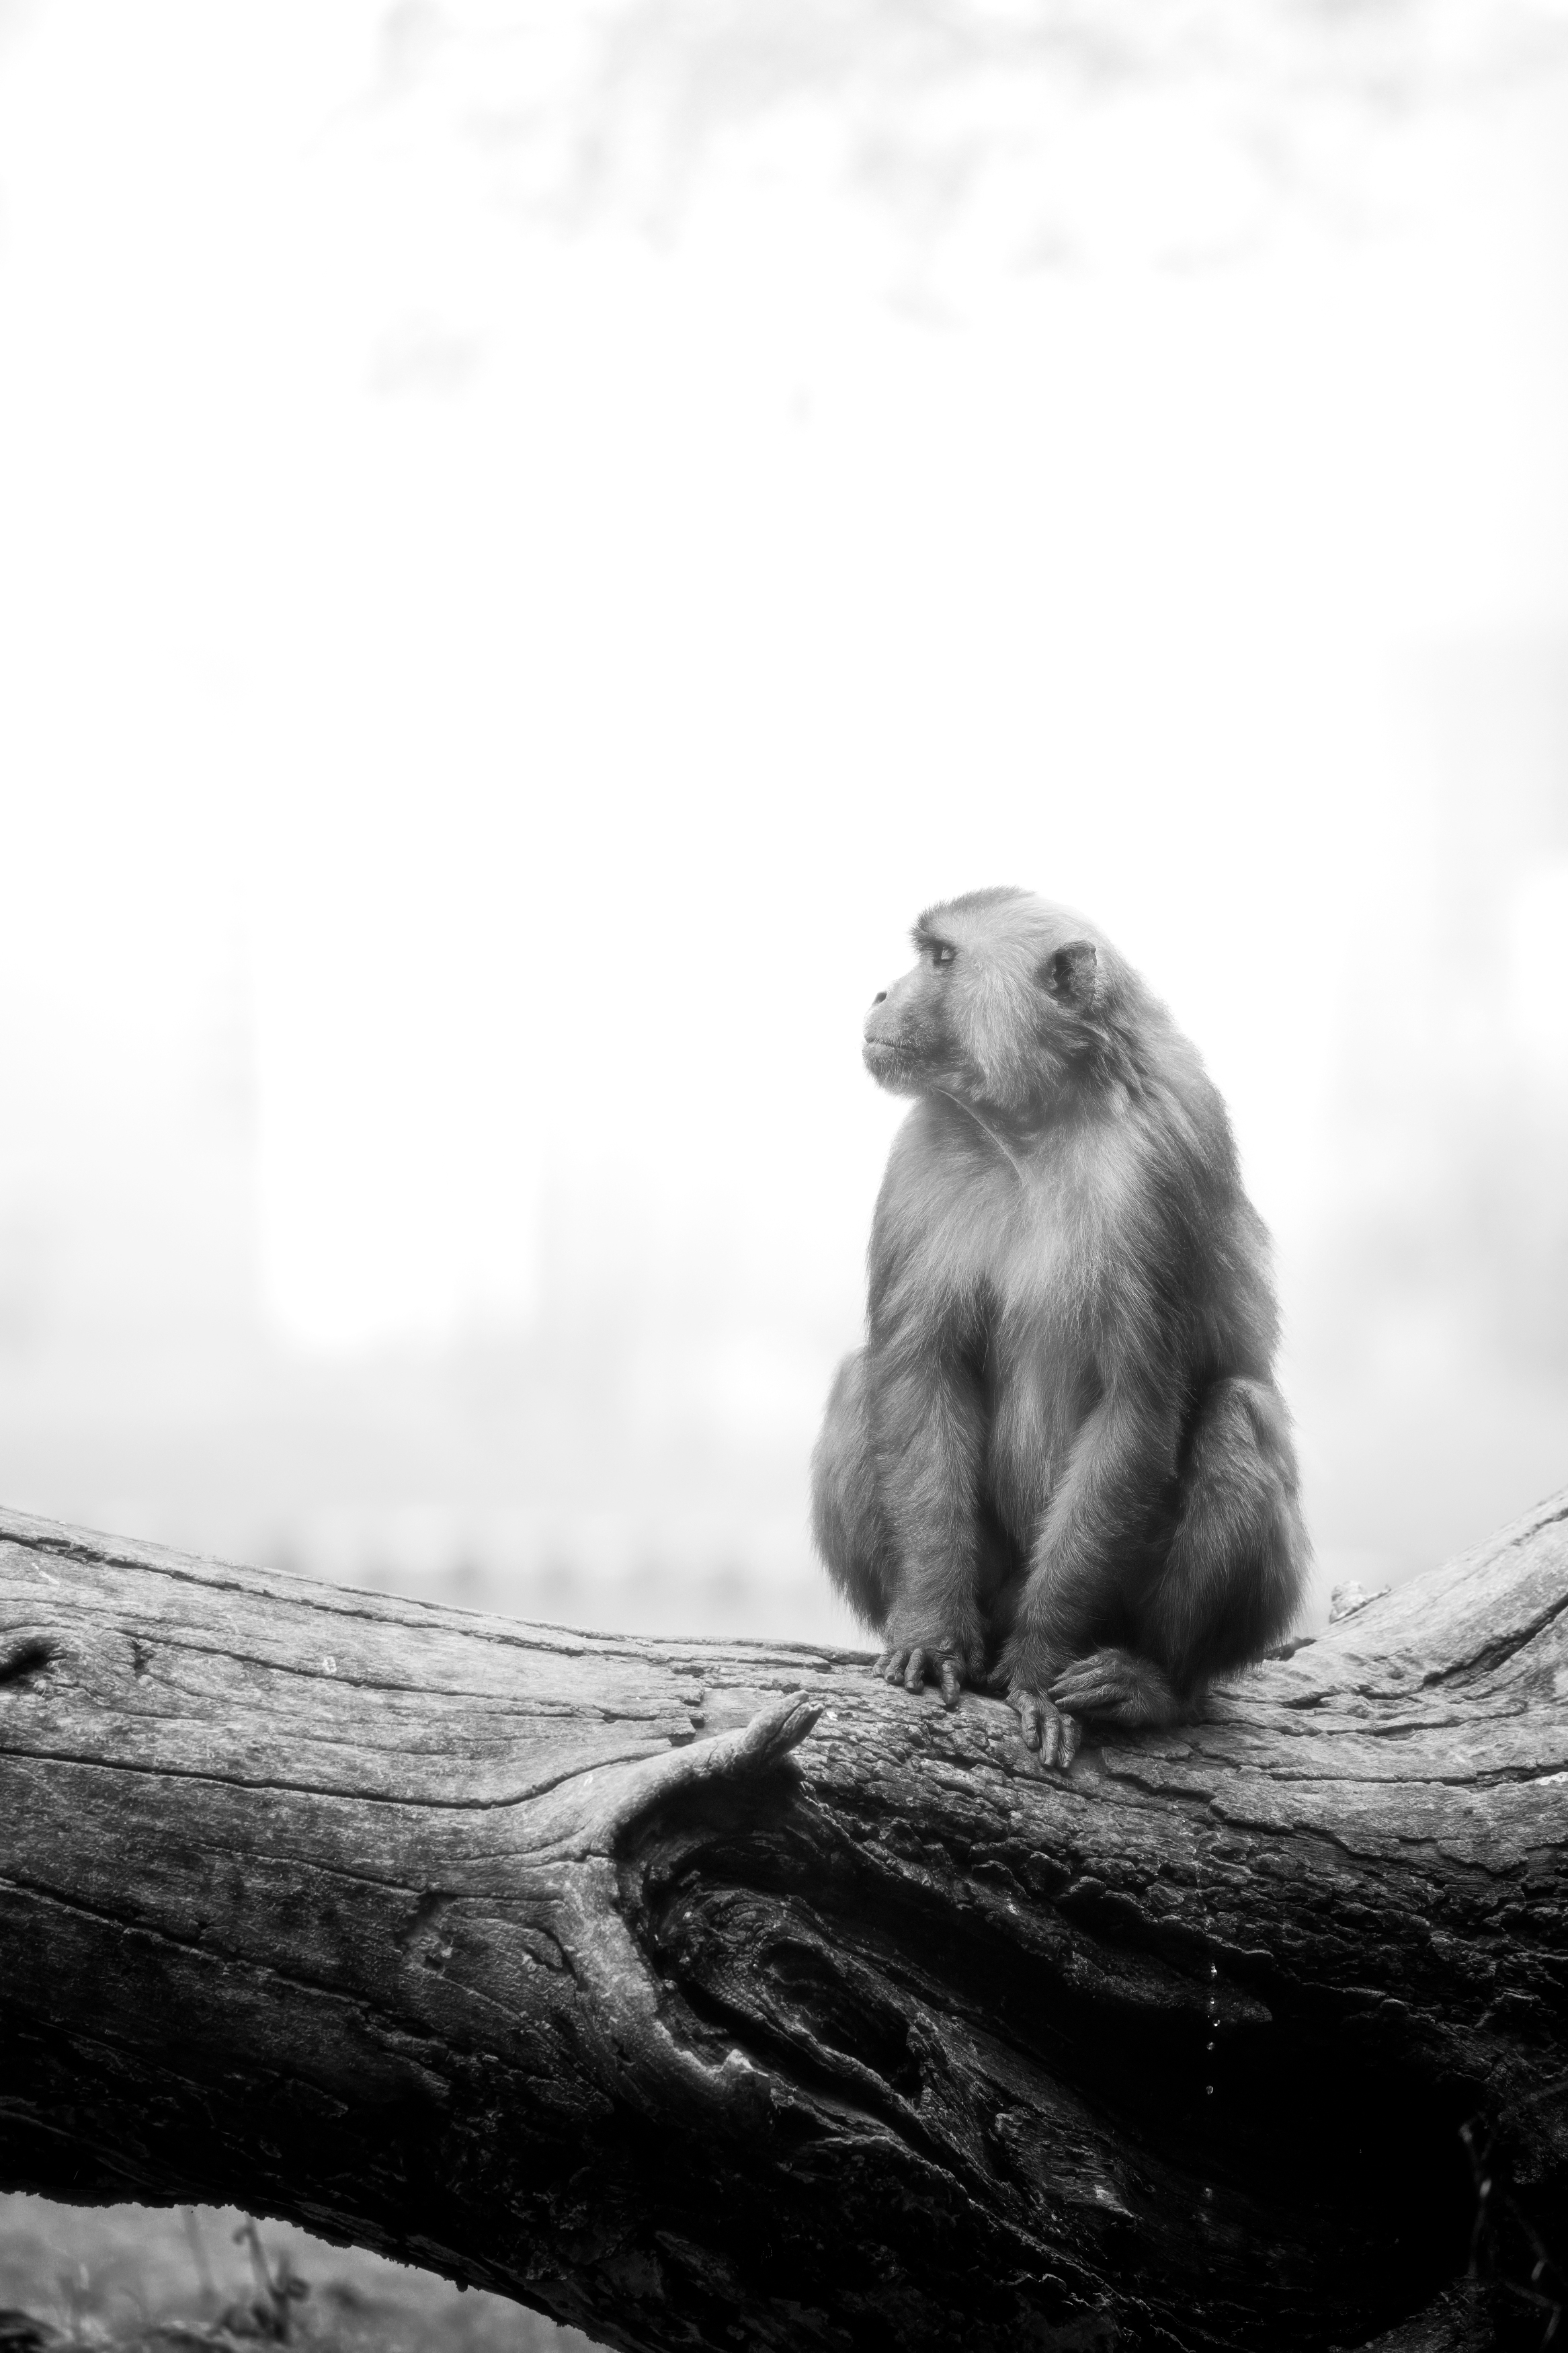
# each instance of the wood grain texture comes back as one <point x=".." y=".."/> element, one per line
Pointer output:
<point x="517" y="1954"/>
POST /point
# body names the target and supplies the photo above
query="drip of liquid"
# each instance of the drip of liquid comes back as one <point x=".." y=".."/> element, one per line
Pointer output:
<point x="1212" y="2005"/>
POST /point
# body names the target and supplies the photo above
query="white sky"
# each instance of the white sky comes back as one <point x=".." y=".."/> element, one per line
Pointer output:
<point x="559" y="661"/>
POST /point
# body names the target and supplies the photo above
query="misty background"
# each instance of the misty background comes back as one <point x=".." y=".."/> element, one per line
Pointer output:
<point x="534" y="540"/>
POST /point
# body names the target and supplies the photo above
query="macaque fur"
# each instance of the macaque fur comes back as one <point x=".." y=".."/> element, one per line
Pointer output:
<point x="1059" y="1464"/>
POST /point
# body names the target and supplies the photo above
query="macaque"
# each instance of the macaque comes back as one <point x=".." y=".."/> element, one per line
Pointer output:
<point x="1059" y="1464"/>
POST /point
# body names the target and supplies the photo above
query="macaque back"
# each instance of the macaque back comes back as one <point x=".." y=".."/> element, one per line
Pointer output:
<point x="1060" y="1462"/>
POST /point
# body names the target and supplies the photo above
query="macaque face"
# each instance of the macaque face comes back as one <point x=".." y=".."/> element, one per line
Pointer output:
<point x="912" y="1038"/>
<point x="985" y="1012"/>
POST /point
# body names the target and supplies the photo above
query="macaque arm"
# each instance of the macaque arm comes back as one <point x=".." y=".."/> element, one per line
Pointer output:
<point x="929" y="1433"/>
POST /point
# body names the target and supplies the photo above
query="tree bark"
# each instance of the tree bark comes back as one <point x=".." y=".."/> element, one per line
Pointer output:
<point x="707" y="1994"/>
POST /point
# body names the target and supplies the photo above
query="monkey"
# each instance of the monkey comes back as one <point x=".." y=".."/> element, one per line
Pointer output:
<point x="1059" y="1465"/>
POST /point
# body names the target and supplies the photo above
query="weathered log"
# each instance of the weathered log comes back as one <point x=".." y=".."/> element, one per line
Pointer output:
<point x="713" y="1993"/>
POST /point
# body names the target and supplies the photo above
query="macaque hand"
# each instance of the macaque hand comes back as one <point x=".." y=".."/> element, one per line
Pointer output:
<point x="946" y="1659"/>
<point x="1050" y="1729"/>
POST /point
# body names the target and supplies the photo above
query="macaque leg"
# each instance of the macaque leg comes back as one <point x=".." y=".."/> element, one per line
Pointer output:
<point x="846" y="1515"/>
<point x="1232" y="1577"/>
<point x="1085" y="1555"/>
<point x="930" y="1431"/>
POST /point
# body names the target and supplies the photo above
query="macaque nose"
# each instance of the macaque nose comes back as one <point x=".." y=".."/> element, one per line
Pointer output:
<point x="880" y="997"/>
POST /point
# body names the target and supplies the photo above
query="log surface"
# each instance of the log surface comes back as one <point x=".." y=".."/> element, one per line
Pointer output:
<point x="707" y="1994"/>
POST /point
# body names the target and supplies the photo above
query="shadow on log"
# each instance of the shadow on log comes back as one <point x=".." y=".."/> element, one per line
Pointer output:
<point x="711" y="1994"/>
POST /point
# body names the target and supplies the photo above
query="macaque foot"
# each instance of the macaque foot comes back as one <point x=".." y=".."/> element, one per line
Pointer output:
<point x="1117" y="1687"/>
<point x="941" y="1659"/>
<point x="1048" y="1728"/>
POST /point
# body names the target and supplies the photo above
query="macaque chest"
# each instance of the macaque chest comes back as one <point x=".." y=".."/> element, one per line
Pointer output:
<point x="1041" y="1384"/>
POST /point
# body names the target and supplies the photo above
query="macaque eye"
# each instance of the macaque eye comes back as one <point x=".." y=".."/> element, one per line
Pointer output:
<point x="941" y="953"/>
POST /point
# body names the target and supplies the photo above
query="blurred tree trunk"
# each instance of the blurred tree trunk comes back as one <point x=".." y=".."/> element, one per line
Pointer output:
<point x="849" y="2026"/>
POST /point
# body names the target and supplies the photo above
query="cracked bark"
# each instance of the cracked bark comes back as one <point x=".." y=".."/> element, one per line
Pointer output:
<point x="713" y="1993"/>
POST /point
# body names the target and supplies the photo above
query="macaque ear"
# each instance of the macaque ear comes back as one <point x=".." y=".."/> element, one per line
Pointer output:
<point x="1071" y="974"/>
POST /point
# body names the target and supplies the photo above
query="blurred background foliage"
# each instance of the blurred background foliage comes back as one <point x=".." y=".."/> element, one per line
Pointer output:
<point x="532" y="540"/>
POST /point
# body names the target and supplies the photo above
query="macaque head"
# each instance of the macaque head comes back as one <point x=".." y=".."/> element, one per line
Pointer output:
<point x="1006" y="997"/>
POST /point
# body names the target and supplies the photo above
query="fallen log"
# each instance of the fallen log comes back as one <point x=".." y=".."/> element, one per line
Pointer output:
<point x="706" y="1994"/>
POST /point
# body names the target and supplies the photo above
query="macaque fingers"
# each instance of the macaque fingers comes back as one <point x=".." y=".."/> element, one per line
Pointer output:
<point x="1095" y="1687"/>
<point x="1117" y="1687"/>
<point x="940" y="1659"/>
<point x="1046" y="1728"/>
